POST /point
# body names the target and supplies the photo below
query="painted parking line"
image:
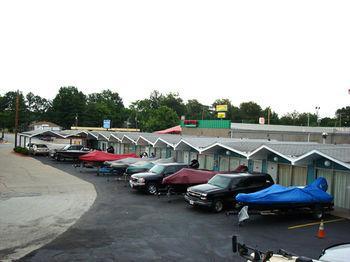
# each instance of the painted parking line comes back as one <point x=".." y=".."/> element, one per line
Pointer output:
<point x="316" y="223"/>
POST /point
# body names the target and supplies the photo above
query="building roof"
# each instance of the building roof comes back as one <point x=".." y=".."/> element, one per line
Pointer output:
<point x="285" y="128"/>
<point x="50" y="124"/>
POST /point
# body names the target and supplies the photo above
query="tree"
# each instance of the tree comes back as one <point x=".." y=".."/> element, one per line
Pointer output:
<point x="274" y="118"/>
<point x="8" y="110"/>
<point x="173" y="101"/>
<point x="68" y="104"/>
<point x="161" y="118"/>
<point x="105" y="105"/>
<point x="195" y="110"/>
<point x="37" y="107"/>
<point x="343" y="115"/>
<point x="250" y="112"/>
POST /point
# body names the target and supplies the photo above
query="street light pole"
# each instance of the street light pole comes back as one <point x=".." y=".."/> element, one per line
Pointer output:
<point x="317" y="108"/>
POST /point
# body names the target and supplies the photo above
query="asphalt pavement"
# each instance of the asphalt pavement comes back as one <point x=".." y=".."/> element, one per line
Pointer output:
<point x="125" y="225"/>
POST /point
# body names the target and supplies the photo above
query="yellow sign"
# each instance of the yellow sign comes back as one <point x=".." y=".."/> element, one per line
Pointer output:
<point x="221" y="115"/>
<point x="221" y="108"/>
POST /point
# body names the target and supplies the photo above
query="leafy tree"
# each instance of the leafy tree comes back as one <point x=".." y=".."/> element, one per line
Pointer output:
<point x="250" y="112"/>
<point x="343" y="115"/>
<point x="274" y="118"/>
<point x="68" y="103"/>
<point x="105" y="105"/>
<point x="161" y="118"/>
<point x="173" y="101"/>
<point x="37" y="107"/>
<point x="8" y="111"/>
<point x="196" y="110"/>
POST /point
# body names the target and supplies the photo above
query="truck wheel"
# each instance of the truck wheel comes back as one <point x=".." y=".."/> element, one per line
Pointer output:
<point x="217" y="206"/>
<point x="152" y="188"/>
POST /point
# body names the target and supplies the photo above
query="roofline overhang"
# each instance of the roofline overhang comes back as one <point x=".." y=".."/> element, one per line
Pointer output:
<point x="315" y="151"/>
<point x="128" y="138"/>
<point x="225" y="147"/>
<point x="164" y="141"/>
<point x="144" y="139"/>
<point x="187" y="143"/>
<point x="272" y="151"/>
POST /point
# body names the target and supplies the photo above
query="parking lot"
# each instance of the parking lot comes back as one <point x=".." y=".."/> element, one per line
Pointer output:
<point x="125" y="225"/>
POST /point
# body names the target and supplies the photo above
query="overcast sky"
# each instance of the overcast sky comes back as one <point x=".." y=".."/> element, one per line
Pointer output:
<point x="291" y="55"/>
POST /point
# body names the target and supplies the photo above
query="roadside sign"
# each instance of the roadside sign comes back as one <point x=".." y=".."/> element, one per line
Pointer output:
<point x="261" y="120"/>
<point x="221" y="108"/>
<point x="107" y="123"/>
<point x="221" y="115"/>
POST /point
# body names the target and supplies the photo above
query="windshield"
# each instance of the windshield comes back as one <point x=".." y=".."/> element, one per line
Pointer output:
<point x="157" y="169"/>
<point x="220" y="181"/>
<point x="42" y="146"/>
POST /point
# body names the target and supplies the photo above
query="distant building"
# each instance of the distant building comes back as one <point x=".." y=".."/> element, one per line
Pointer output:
<point x="223" y="128"/>
<point x="44" y="125"/>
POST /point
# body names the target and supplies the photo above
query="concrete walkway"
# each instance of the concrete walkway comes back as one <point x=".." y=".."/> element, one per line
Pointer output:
<point x="37" y="203"/>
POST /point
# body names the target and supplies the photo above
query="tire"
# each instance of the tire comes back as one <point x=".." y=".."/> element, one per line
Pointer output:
<point x="217" y="206"/>
<point x="152" y="188"/>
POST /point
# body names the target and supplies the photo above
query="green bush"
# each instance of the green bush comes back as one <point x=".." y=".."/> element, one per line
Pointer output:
<point x="21" y="150"/>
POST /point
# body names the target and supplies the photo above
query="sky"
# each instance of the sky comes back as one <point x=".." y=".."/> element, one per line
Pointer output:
<point x="290" y="55"/>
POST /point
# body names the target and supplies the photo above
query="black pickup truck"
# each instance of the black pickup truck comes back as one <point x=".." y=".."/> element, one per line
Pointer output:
<point x="151" y="181"/>
<point x="222" y="188"/>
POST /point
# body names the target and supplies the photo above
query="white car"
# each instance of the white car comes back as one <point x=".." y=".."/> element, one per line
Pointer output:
<point x="38" y="149"/>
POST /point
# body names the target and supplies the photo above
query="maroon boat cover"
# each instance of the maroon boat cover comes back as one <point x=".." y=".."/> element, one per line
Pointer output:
<point x="189" y="176"/>
<point x="100" y="156"/>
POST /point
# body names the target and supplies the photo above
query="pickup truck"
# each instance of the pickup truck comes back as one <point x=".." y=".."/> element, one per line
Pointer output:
<point x="220" y="190"/>
<point x="69" y="152"/>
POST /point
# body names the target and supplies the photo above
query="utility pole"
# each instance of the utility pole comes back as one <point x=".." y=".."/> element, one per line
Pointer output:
<point x="16" y="117"/>
<point x="268" y="115"/>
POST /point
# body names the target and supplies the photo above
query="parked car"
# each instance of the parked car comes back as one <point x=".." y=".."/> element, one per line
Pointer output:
<point x="69" y="152"/>
<point x="38" y="149"/>
<point x="220" y="191"/>
<point x="151" y="181"/>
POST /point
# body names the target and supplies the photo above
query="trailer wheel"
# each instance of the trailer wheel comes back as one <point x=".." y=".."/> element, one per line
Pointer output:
<point x="318" y="214"/>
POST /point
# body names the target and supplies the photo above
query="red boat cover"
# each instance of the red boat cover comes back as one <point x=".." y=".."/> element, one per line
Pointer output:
<point x="100" y="156"/>
<point x="171" y="130"/>
<point x="189" y="176"/>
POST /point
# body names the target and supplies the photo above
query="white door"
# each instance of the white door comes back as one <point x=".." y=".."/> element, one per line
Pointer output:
<point x="234" y="163"/>
<point x="223" y="163"/>
<point x="257" y="165"/>
<point x="299" y="176"/>
<point x="186" y="157"/>
<point x="272" y="170"/>
<point x="193" y="155"/>
<point x="179" y="156"/>
<point x="209" y="162"/>
<point x="342" y="189"/>
<point x="201" y="160"/>
<point x="284" y="175"/>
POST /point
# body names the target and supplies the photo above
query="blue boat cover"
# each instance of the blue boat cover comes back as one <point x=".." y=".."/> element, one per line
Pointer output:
<point x="277" y="194"/>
